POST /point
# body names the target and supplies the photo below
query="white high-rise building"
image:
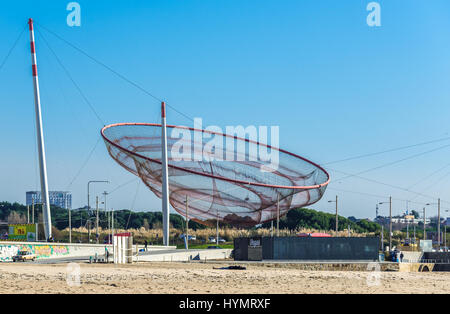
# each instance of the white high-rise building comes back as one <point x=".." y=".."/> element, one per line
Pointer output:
<point x="61" y="199"/>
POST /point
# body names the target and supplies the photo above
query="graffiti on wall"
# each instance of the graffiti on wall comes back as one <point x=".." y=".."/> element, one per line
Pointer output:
<point x="7" y="251"/>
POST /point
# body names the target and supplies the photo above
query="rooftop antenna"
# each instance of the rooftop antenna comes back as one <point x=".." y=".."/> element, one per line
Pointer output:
<point x="40" y="140"/>
<point x="165" y="177"/>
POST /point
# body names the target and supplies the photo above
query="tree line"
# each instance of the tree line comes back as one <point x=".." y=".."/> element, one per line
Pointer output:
<point x="123" y="219"/>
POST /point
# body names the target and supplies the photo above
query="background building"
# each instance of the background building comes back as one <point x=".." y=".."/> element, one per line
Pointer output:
<point x="61" y="199"/>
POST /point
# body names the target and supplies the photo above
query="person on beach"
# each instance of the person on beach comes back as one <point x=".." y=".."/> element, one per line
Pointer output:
<point x="145" y="245"/>
<point x="107" y="254"/>
<point x="401" y="257"/>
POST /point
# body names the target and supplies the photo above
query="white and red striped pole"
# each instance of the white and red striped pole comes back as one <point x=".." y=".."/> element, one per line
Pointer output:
<point x="165" y="177"/>
<point x="40" y="140"/>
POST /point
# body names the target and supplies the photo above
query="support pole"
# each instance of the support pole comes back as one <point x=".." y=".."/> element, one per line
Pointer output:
<point x="112" y="235"/>
<point x="424" y="228"/>
<point x="278" y="215"/>
<point x="32" y="211"/>
<point x="70" y="226"/>
<point x="96" y="227"/>
<point x="390" y="223"/>
<point x="407" y="230"/>
<point x="88" y="198"/>
<point x="112" y="222"/>
<point x="337" y="217"/>
<point x="111" y="216"/>
<point x="28" y="214"/>
<point x="187" y="224"/>
<point x="40" y="140"/>
<point x="165" y="177"/>
<point x="439" y="223"/>
<point x="89" y="230"/>
<point x="217" y="231"/>
<point x="106" y="213"/>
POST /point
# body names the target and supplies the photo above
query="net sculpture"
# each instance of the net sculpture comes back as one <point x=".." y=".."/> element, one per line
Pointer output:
<point x="242" y="192"/>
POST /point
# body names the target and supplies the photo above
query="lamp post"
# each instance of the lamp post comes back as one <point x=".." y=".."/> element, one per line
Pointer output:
<point x="424" y="225"/>
<point x="88" y="186"/>
<point x="445" y="233"/>
<point x="186" y="237"/>
<point x="390" y="221"/>
<point x="438" y="220"/>
<point x="88" y="224"/>
<point x="278" y="215"/>
<point x="70" y="225"/>
<point x="106" y="213"/>
<point x="439" y="223"/>
<point x="88" y="196"/>
<point x="96" y="229"/>
<point x="337" y="217"/>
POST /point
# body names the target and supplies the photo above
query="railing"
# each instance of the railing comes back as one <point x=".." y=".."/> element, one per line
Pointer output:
<point x="423" y="260"/>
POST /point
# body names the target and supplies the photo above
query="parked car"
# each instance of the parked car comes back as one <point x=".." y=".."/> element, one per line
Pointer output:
<point x="23" y="256"/>
<point x="190" y="237"/>
<point x="213" y="240"/>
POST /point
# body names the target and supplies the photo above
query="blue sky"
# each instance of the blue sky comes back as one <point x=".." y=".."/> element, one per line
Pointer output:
<point x="336" y="87"/>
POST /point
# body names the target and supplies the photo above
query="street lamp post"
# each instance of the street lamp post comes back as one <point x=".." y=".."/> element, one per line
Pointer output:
<point x="88" y="186"/>
<point x="106" y="213"/>
<point x="186" y="237"/>
<point x="88" y="195"/>
<point x="424" y="225"/>
<point x="390" y="221"/>
<point x="96" y="229"/>
<point x="88" y="224"/>
<point x="70" y="225"/>
<point x="438" y="221"/>
<point x="445" y="232"/>
<point x="278" y="215"/>
<point x="337" y="217"/>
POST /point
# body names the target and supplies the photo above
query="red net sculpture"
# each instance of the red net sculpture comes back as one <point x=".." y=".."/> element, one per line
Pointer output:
<point x="235" y="191"/>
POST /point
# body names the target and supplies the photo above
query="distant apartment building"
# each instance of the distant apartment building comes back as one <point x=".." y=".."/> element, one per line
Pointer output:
<point x="61" y="199"/>
<point x="407" y="219"/>
<point x="413" y="221"/>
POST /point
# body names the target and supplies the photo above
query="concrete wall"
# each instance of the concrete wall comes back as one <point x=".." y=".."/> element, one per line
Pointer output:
<point x="57" y="250"/>
<point x="184" y="255"/>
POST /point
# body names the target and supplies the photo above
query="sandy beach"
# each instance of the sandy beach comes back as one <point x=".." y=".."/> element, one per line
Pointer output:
<point x="202" y="278"/>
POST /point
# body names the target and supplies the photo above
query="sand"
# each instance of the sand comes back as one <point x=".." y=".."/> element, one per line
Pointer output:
<point x="202" y="278"/>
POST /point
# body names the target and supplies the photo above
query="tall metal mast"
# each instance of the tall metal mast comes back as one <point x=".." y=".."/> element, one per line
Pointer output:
<point x="165" y="177"/>
<point x="40" y="140"/>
